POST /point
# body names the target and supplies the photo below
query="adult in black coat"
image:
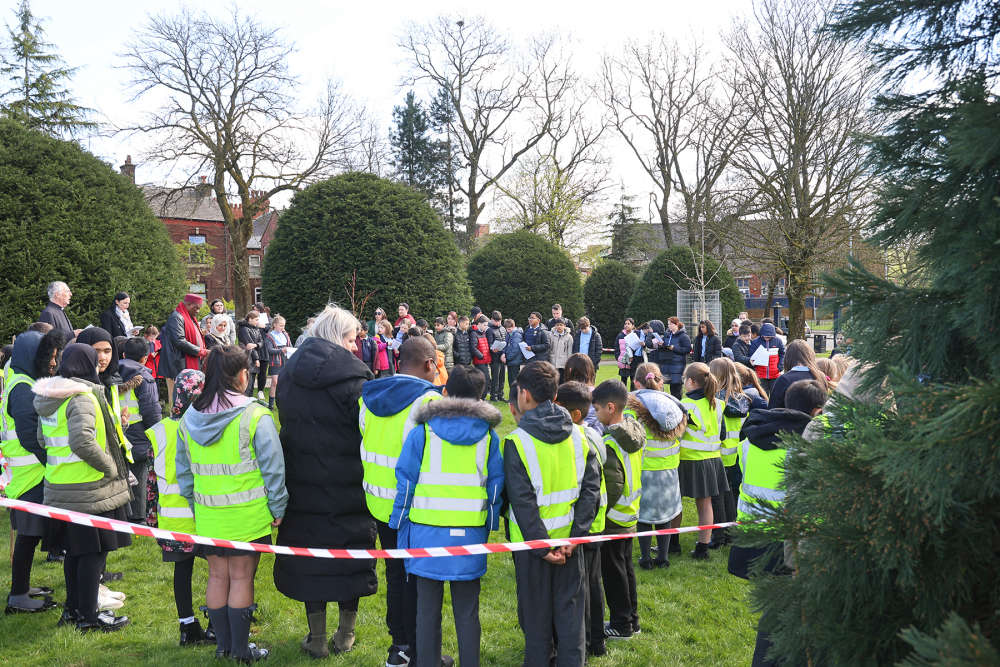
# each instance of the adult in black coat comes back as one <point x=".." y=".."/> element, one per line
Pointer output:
<point x="707" y="345"/>
<point x="111" y="320"/>
<point x="318" y="391"/>
<point x="673" y="355"/>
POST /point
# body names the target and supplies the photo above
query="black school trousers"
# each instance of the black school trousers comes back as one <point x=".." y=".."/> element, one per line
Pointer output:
<point x="550" y="605"/>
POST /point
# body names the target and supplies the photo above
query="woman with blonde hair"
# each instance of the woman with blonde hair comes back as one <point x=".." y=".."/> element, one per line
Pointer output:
<point x="831" y="369"/>
<point x="277" y="342"/>
<point x="800" y="364"/>
<point x="752" y="388"/>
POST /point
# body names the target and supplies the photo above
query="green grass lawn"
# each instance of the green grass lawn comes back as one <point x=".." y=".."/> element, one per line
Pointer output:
<point x="693" y="613"/>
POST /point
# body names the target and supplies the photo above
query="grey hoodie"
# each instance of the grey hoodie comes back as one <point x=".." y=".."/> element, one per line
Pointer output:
<point x="112" y="490"/>
<point x="205" y="429"/>
<point x="548" y="423"/>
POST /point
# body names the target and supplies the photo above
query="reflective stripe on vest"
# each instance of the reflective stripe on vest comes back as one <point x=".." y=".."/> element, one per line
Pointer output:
<point x="451" y="486"/>
<point x="26" y="471"/>
<point x="173" y="512"/>
<point x="116" y="413"/>
<point x="382" y="441"/>
<point x="555" y="478"/>
<point x="229" y="505"/>
<point x="625" y="512"/>
<point x="701" y="439"/>
<point x="763" y="477"/>
<point x="131" y="404"/>
<point x="729" y="433"/>
<point x="597" y="527"/>
<point x="62" y="466"/>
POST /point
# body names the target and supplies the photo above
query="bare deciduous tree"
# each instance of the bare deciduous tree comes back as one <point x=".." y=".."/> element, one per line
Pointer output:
<point x="492" y="98"/>
<point x="228" y="107"/>
<point x="810" y="96"/>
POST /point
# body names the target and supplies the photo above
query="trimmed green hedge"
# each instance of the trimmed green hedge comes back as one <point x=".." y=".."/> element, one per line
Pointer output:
<point x="65" y="215"/>
<point x="606" y="294"/>
<point x="384" y="230"/>
<point x="655" y="295"/>
<point x="521" y="272"/>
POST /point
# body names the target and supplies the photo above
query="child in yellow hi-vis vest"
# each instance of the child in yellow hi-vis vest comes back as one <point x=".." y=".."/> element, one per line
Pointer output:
<point x="553" y="485"/>
<point x="449" y="492"/>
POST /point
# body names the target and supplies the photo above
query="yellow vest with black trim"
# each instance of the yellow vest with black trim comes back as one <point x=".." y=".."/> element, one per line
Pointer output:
<point x="451" y="487"/>
<point x="230" y="499"/>
<point x="701" y="438"/>
<point x="382" y="441"/>
<point x="763" y="483"/>
<point x="26" y="471"/>
<point x="62" y="466"/>
<point x="625" y="512"/>
<point x="116" y="412"/>
<point x="729" y="433"/>
<point x="597" y="527"/>
<point x="657" y="454"/>
<point x="173" y="512"/>
<point x="556" y="473"/>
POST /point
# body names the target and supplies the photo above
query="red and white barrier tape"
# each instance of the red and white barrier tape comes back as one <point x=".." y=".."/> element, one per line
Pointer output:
<point x="314" y="552"/>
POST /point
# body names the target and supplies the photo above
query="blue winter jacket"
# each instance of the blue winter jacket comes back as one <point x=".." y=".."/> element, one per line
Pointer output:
<point x="459" y="421"/>
<point x="513" y="350"/>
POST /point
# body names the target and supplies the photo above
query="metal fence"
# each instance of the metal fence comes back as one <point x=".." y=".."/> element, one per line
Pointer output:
<point x="696" y="305"/>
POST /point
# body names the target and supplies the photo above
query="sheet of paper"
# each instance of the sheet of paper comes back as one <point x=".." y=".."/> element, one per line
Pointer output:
<point x="759" y="358"/>
<point x="632" y="341"/>
<point x="289" y="351"/>
<point x="528" y="354"/>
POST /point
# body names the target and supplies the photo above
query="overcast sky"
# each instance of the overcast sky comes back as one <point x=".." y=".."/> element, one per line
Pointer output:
<point x="356" y="43"/>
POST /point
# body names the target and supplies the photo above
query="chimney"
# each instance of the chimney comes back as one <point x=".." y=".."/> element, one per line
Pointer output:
<point x="128" y="169"/>
<point x="203" y="187"/>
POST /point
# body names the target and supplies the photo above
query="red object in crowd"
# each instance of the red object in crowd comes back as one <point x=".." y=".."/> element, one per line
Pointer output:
<point x="153" y="360"/>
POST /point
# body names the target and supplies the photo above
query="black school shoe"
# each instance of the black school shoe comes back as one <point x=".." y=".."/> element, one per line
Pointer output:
<point x="69" y="617"/>
<point x="615" y="634"/>
<point x="700" y="551"/>
<point x="646" y="564"/>
<point x="111" y="576"/>
<point x="597" y="649"/>
<point x="675" y="544"/>
<point x="47" y="603"/>
<point x="192" y="634"/>
<point x="106" y="622"/>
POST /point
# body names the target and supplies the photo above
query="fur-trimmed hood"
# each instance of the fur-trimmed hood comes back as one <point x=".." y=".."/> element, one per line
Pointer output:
<point x="662" y="414"/>
<point x="460" y="421"/>
<point x="51" y="392"/>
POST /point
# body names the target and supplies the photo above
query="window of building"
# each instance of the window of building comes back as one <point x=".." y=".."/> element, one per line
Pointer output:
<point x="197" y="288"/>
<point x="196" y="239"/>
<point x="779" y="290"/>
<point x="256" y="295"/>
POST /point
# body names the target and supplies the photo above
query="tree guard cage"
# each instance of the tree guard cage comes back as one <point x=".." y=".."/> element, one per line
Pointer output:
<point x="694" y="306"/>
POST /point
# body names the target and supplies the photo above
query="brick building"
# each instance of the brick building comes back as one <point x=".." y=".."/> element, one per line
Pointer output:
<point x="193" y="220"/>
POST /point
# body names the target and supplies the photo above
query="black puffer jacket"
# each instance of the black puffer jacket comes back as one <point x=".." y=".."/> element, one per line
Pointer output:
<point x="318" y="392"/>
<point x="713" y="348"/>
<point x="463" y="347"/>
<point x="246" y="333"/>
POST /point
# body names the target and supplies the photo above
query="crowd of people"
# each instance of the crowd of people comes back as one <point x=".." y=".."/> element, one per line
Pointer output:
<point x="386" y="438"/>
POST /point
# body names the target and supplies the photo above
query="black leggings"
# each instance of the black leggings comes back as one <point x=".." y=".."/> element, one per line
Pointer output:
<point x="83" y="576"/>
<point x="183" y="571"/>
<point x="20" y="563"/>
<point x="261" y="382"/>
<point x="646" y="543"/>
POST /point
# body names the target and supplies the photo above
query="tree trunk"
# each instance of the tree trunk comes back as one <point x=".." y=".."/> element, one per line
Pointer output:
<point x="665" y="222"/>
<point x="770" y="294"/>
<point x="798" y="286"/>
<point x="240" y="269"/>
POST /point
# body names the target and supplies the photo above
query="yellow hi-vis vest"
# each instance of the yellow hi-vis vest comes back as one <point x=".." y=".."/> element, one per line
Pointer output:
<point x="131" y="403"/>
<point x="763" y="480"/>
<point x="230" y="499"/>
<point x="62" y="466"/>
<point x="382" y="441"/>
<point x="556" y="473"/>
<point x="701" y="439"/>
<point x="625" y="512"/>
<point x="116" y="412"/>
<point x="657" y="454"/>
<point x="597" y="527"/>
<point x="729" y="433"/>
<point x="451" y="487"/>
<point x="173" y="512"/>
<point x="26" y="471"/>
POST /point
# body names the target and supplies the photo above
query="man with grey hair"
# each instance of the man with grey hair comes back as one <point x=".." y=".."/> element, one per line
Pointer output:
<point x="54" y="313"/>
<point x="306" y="331"/>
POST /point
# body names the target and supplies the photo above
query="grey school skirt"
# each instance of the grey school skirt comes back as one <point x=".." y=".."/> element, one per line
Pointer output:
<point x="661" y="496"/>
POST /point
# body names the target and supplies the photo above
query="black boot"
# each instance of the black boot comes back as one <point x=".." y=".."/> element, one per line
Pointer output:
<point x="69" y="617"/>
<point x="700" y="551"/>
<point x="239" y="628"/>
<point x="675" y="544"/>
<point x="192" y="634"/>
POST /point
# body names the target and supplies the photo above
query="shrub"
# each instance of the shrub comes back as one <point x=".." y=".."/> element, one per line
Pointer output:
<point x="655" y="294"/>
<point x="65" y="215"/>
<point x="606" y="294"/>
<point x="386" y="231"/>
<point x="521" y="272"/>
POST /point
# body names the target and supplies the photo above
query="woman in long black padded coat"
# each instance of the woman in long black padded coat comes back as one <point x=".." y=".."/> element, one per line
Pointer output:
<point x="318" y="391"/>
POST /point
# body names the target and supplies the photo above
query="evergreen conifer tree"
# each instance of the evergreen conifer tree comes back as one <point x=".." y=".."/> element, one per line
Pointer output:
<point x="894" y="511"/>
<point x="448" y="162"/>
<point x="623" y="219"/>
<point x="413" y="150"/>
<point x="36" y="95"/>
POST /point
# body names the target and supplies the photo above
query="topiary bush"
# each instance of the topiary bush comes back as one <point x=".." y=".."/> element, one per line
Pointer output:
<point x="655" y="294"/>
<point x="521" y="272"/>
<point x="605" y="296"/>
<point x="65" y="215"/>
<point x="385" y="231"/>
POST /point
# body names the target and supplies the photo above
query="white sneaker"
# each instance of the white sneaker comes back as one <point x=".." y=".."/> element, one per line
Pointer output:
<point x="107" y="592"/>
<point x="260" y="395"/>
<point x="106" y="603"/>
